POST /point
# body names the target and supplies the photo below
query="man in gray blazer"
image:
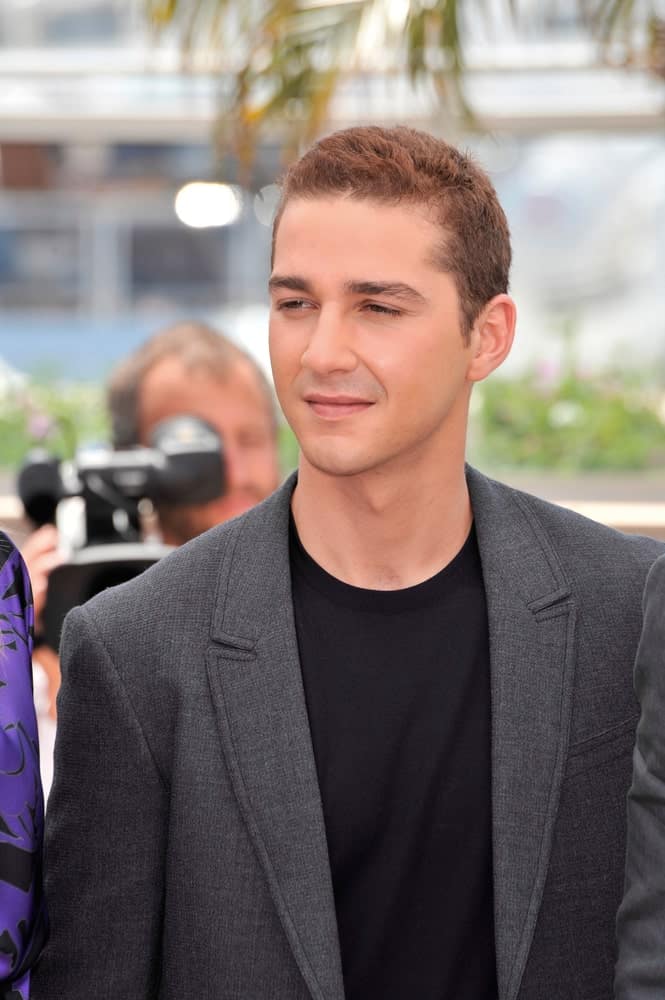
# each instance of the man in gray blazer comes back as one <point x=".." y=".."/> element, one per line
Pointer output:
<point x="641" y="919"/>
<point x="371" y="739"/>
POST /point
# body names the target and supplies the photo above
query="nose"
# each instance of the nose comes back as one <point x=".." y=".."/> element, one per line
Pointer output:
<point x="329" y="345"/>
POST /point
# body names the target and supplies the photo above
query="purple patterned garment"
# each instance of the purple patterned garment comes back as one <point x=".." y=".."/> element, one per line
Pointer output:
<point x="22" y="912"/>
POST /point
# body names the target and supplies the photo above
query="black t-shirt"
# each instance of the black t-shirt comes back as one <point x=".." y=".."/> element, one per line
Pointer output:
<point x="398" y="696"/>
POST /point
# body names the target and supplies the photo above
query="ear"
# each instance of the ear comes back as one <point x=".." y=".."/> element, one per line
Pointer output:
<point x="491" y="337"/>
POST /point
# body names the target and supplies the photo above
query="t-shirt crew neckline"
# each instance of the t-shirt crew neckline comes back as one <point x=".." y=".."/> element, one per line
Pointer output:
<point x="430" y="591"/>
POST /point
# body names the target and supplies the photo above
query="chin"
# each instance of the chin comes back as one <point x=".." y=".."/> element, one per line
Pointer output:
<point x="337" y="463"/>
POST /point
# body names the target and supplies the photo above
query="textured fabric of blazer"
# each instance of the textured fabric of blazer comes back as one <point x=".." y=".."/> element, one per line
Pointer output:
<point x="186" y="851"/>
<point x="641" y="919"/>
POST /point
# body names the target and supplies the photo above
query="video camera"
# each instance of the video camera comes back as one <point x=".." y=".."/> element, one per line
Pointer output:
<point x="96" y="502"/>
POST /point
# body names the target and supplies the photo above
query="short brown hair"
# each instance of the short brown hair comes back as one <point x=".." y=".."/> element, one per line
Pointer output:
<point x="402" y="165"/>
<point x="197" y="346"/>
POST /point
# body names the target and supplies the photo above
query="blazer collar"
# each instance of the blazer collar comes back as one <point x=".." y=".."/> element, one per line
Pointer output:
<point x="257" y="688"/>
<point x="253" y="595"/>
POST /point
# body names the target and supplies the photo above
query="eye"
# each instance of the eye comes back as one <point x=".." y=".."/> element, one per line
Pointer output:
<point x="292" y="305"/>
<point x="381" y="310"/>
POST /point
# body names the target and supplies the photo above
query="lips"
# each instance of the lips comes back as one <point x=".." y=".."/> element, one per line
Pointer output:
<point x="336" y="407"/>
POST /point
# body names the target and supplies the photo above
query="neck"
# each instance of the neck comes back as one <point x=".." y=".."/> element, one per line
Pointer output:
<point x="381" y="532"/>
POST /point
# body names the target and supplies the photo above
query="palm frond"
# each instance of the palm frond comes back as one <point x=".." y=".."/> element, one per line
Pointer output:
<point x="284" y="60"/>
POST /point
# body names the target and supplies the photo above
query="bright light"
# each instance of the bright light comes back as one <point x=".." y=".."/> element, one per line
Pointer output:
<point x="397" y="12"/>
<point x="201" y="204"/>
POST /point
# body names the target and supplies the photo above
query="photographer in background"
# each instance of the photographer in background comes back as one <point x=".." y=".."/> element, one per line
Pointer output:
<point x="189" y="369"/>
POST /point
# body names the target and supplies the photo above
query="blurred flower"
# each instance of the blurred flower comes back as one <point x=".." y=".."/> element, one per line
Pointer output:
<point x="40" y="425"/>
<point x="565" y="413"/>
<point x="546" y="375"/>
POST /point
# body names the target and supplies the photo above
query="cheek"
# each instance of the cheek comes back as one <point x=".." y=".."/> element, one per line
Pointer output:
<point x="285" y="366"/>
<point x="405" y="347"/>
<point x="283" y="345"/>
<point x="288" y="340"/>
<point x="273" y="347"/>
<point x="398" y="363"/>
<point x="421" y="377"/>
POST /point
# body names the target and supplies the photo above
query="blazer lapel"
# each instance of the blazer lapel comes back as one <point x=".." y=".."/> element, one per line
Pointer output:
<point x="256" y="685"/>
<point x="531" y="624"/>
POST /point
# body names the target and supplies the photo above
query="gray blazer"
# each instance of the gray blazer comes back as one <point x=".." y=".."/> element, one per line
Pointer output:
<point x="641" y="919"/>
<point x="186" y="852"/>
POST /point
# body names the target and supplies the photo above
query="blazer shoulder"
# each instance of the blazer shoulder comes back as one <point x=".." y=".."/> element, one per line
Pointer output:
<point x="580" y="538"/>
<point x="598" y="562"/>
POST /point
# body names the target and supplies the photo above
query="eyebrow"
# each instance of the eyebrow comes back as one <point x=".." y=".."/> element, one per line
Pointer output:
<point x="395" y="289"/>
<point x="293" y="282"/>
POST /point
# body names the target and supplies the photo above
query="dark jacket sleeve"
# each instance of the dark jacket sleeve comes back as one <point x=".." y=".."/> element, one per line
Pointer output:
<point x="640" y="971"/>
<point x="106" y="832"/>
<point x="22" y="915"/>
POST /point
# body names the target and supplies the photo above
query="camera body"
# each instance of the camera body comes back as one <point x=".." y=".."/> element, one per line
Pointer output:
<point x="96" y="502"/>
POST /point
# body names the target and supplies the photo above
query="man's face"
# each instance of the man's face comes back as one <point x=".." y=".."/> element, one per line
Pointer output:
<point x="236" y="407"/>
<point x="368" y="357"/>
